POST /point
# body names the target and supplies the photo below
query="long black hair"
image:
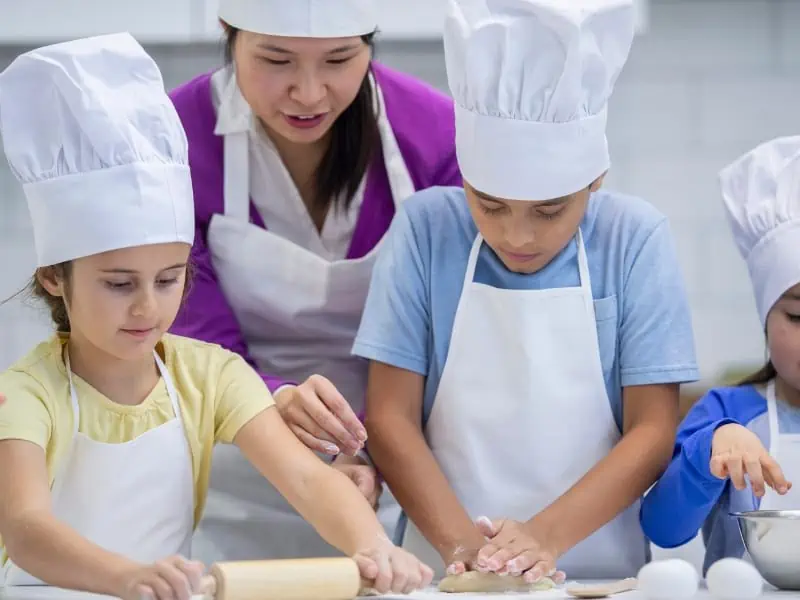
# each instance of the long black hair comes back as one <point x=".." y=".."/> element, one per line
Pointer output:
<point x="354" y="139"/>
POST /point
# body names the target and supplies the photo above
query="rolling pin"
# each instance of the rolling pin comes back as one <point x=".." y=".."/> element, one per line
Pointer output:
<point x="295" y="579"/>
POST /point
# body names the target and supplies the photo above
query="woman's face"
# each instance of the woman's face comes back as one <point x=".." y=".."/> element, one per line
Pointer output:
<point x="783" y="335"/>
<point x="298" y="87"/>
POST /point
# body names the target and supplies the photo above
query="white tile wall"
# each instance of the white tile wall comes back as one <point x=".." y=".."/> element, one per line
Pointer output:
<point x="710" y="79"/>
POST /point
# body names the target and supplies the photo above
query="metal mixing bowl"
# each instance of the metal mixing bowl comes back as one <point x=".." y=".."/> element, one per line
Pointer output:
<point x="772" y="537"/>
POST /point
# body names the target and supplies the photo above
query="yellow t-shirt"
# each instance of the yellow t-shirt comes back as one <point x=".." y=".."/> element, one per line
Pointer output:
<point x="218" y="393"/>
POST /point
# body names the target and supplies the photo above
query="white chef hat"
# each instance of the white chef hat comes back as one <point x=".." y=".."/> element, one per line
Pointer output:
<point x="761" y="192"/>
<point x="98" y="146"/>
<point x="302" y="18"/>
<point x="531" y="80"/>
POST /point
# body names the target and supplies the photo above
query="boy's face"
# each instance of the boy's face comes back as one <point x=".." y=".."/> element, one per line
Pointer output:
<point x="527" y="235"/>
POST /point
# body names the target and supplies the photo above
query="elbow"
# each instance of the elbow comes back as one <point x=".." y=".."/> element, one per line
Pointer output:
<point x="16" y="534"/>
<point x="384" y="436"/>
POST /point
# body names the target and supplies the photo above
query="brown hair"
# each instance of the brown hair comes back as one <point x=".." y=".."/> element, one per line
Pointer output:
<point x="56" y="304"/>
<point x="764" y="375"/>
<point x="354" y="140"/>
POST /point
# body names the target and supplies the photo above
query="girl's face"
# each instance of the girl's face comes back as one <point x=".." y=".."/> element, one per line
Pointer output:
<point x="298" y="87"/>
<point x="527" y="235"/>
<point x="123" y="301"/>
<point x="783" y="335"/>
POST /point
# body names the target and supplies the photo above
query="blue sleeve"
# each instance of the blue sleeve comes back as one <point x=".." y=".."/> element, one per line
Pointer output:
<point x="656" y="338"/>
<point x="395" y="324"/>
<point x="674" y="510"/>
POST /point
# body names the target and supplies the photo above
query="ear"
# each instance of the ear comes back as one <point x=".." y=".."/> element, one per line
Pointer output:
<point x="597" y="183"/>
<point x="51" y="281"/>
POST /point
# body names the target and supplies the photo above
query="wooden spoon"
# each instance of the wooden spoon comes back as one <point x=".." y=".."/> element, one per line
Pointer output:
<point x="602" y="590"/>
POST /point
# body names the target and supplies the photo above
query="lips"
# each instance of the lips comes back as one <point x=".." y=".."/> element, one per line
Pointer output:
<point x="305" y="121"/>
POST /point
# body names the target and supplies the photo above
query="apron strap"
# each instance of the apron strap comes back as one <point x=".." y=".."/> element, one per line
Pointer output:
<point x="772" y="410"/>
<point x="236" y="176"/>
<point x="171" y="391"/>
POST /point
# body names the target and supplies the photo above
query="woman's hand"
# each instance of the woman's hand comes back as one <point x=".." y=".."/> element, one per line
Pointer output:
<point x="392" y="569"/>
<point x="363" y="475"/>
<point x="320" y="417"/>
<point x="736" y="451"/>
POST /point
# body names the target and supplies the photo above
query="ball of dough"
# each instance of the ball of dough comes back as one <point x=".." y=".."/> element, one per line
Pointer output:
<point x="476" y="582"/>
<point x="671" y="579"/>
<point x="734" y="579"/>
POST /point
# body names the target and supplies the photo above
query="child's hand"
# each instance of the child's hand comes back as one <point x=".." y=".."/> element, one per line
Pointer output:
<point x="173" y="578"/>
<point x="392" y="569"/>
<point x="513" y="549"/>
<point x="736" y="451"/>
<point x="2" y="399"/>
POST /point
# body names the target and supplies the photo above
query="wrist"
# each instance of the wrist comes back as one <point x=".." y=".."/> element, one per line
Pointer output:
<point x="120" y="575"/>
<point x="543" y="529"/>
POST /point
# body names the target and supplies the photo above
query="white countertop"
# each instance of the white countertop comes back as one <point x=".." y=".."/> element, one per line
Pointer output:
<point x="47" y="593"/>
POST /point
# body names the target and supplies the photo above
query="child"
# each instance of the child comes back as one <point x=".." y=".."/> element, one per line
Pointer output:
<point x="529" y="332"/>
<point x="738" y="449"/>
<point x="107" y="428"/>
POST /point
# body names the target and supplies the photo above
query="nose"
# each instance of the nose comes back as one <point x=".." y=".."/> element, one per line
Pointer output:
<point x="308" y="90"/>
<point x="519" y="234"/>
<point x="145" y="302"/>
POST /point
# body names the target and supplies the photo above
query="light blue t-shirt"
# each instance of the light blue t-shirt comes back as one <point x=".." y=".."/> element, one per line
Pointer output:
<point x="643" y="321"/>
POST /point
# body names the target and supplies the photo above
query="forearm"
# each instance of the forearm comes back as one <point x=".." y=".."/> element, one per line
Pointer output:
<point x="53" y="552"/>
<point x="345" y="520"/>
<point x="404" y="460"/>
<point x="615" y="483"/>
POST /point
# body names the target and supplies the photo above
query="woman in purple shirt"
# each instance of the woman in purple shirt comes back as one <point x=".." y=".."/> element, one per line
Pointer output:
<point x="301" y="149"/>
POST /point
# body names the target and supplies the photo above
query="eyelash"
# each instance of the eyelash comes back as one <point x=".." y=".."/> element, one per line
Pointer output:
<point x="121" y="287"/>
<point x="793" y="318"/>
<point x="495" y="211"/>
<point x="281" y="63"/>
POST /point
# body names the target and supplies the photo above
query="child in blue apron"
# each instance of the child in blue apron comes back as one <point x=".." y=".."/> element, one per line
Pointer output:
<point x="107" y="428"/>
<point x="738" y="449"/>
<point x="527" y="333"/>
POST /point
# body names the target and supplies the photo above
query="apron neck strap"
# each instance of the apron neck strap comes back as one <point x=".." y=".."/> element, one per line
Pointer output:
<point x="772" y="414"/>
<point x="583" y="262"/>
<point x="162" y="369"/>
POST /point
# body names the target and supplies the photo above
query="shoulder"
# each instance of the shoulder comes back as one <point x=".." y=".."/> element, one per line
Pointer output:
<point x="41" y="370"/>
<point x="423" y="121"/>
<point x="743" y="403"/>
<point x="187" y="95"/>
<point x="197" y="362"/>
<point x="437" y="214"/>
<point x="626" y="219"/>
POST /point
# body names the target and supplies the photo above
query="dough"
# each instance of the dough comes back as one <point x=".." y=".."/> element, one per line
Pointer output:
<point x="474" y="581"/>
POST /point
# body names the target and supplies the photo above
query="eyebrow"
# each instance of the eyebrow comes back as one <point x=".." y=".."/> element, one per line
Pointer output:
<point x="546" y="203"/>
<point x="134" y="272"/>
<point x="279" y="50"/>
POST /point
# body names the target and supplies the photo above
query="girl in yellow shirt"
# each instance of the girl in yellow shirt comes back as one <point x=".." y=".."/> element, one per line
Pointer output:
<point x="107" y="429"/>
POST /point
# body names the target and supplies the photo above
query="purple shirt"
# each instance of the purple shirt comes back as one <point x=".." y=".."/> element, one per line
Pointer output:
<point x="423" y="122"/>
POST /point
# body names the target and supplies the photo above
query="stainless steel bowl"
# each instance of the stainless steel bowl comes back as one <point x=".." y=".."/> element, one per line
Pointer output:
<point x="772" y="538"/>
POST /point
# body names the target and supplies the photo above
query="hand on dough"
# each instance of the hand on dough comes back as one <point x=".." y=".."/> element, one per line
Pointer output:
<point x="388" y="568"/>
<point x="513" y="549"/>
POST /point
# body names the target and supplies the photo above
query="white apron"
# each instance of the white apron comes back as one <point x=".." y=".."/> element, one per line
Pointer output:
<point x="299" y="314"/>
<point x="784" y="448"/>
<point x="522" y="413"/>
<point x="135" y="499"/>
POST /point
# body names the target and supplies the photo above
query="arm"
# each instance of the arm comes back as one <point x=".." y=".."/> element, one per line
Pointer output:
<point x="651" y="413"/>
<point x="677" y="506"/>
<point x="394" y="335"/>
<point x="40" y="544"/>
<point x="400" y="452"/>
<point x="206" y="315"/>
<point x="326" y="498"/>
<point x="656" y="354"/>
